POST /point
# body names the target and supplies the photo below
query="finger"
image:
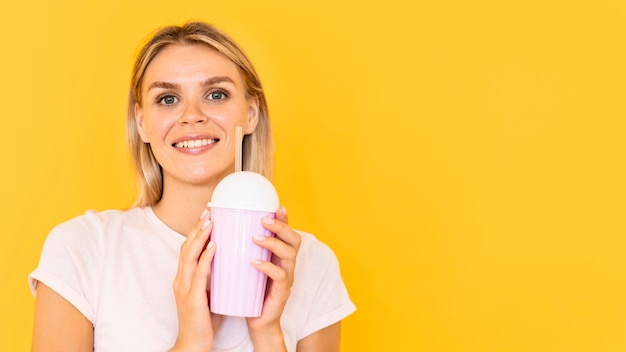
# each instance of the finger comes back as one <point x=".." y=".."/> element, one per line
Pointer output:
<point x="198" y="241"/>
<point x="192" y="248"/>
<point x="197" y="228"/>
<point x="282" y="231"/>
<point x="278" y="248"/>
<point x="202" y="273"/>
<point x="278" y="275"/>
<point x="281" y="214"/>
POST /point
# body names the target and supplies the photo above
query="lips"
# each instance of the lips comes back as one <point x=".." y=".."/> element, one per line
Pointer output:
<point x="194" y="143"/>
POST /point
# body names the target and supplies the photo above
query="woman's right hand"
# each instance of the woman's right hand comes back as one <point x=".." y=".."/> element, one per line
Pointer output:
<point x="196" y="324"/>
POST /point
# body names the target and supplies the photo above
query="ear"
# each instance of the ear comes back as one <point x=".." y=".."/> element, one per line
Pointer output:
<point x="253" y="115"/>
<point x="139" y="123"/>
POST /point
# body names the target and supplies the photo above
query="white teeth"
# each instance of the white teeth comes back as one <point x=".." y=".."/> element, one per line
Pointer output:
<point x="195" y="143"/>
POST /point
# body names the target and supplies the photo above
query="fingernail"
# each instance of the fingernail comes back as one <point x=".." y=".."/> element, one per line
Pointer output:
<point x="206" y="224"/>
<point x="259" y="237"/>
<point x="283" y="210"/>
<point x="210" y="244"/>
<point x="255" y="261"/>
<point x="205" y="212"/>
<point x="268" y="220"/>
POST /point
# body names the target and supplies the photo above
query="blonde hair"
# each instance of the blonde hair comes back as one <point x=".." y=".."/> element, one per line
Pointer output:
<point x="257" y="147"/>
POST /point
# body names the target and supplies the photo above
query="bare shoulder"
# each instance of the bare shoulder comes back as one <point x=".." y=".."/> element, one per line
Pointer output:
<point x="324" y="340"/>
<point x="58" y="325"/>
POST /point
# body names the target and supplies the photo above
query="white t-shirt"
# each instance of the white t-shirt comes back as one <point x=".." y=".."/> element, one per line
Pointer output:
<point x="117" y="268"/>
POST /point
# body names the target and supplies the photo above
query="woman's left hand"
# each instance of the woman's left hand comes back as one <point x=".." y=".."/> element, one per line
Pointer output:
<point x="265" y="331"/>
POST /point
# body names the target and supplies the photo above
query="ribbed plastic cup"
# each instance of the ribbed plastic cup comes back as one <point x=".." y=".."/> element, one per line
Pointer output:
<point x="238" y="204"/>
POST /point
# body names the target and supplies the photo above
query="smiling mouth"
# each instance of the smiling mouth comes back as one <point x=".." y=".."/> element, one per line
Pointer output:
<point x="196" y="143"/>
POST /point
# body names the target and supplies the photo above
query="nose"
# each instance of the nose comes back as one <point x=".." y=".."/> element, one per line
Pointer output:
<point x="193" y="113"/>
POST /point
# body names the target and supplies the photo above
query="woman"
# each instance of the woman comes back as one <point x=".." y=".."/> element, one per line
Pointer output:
<point x="137" y="280"/>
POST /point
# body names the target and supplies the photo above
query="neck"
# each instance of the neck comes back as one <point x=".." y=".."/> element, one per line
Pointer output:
<point x="181" y="204"/>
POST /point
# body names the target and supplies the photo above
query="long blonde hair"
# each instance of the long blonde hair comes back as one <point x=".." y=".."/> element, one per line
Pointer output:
<point x="257" y="147"/>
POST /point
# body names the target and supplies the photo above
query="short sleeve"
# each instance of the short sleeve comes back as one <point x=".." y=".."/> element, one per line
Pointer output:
<point x="328" y="300"/>
<point x="69" y="264"/>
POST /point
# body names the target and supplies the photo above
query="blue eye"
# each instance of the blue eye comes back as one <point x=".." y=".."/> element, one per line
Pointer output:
<point x="217" y="95"/>
<point x="167" y="100"/>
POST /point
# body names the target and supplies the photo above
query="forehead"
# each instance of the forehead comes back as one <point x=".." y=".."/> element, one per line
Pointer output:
<point x="185" y="62"/>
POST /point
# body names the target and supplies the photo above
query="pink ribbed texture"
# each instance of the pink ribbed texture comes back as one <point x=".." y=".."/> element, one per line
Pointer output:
<point x="237" y="288"/>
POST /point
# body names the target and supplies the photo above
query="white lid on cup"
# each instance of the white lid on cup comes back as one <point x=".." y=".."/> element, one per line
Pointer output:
<point x="245" y="190"/>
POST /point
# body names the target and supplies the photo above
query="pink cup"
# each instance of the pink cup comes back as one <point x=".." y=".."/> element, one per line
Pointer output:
<point x="238" y="204"/>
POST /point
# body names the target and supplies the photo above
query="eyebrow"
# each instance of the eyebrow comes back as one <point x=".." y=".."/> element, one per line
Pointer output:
<point x="217" y="79"/>
<point x="208" y="82"/>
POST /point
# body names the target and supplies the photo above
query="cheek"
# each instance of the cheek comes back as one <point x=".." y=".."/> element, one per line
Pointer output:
<point x="229" y="116"/>
<point x="158" y="124"/>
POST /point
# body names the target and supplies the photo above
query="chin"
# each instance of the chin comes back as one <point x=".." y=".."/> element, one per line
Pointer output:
<point x="206" y="177"/>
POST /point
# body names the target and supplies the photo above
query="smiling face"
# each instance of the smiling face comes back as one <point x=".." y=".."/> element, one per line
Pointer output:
<point x="193" y="97"/>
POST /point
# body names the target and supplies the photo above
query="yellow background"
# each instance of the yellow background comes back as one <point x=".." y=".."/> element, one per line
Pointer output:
<point x="464" y="159"/>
